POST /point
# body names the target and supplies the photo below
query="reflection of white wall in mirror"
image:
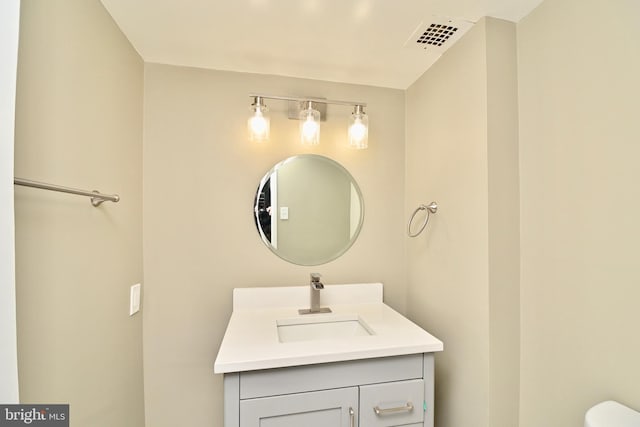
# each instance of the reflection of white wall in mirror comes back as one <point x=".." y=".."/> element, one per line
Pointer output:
<point x="354" y="212"/>
<point x="320" y="197"/>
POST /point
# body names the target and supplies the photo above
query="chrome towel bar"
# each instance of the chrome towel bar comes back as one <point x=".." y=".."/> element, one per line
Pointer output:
<point x="96" y="197"/>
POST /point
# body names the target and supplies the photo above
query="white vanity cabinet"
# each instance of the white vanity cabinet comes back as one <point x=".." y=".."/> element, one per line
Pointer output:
<point x="378" y="392"/>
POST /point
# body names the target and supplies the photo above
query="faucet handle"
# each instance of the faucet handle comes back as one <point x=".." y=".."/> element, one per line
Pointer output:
<point x="315" y="277"/>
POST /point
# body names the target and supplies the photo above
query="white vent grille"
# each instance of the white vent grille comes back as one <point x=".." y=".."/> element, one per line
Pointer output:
<point x="438" y="34"/>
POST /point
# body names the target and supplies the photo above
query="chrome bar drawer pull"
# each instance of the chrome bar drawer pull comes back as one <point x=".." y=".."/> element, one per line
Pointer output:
<point x="352" y="418"/>
<point x="406" y="408"/>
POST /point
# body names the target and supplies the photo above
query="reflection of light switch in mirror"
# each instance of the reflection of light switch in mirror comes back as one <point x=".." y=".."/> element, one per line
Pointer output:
<point x="284" y="212"/>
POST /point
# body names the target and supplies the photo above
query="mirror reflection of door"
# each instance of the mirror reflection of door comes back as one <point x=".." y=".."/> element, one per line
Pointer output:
<point x="263" y="209"/>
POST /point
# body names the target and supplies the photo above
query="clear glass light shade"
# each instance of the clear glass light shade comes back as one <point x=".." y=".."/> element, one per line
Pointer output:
<point x="359" y="129"/>
<point x="309" y="125"/>
<point x="258" y="124"/>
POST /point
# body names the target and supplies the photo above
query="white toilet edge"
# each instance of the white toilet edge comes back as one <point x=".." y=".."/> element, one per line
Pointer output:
<point x="610" y="413"/>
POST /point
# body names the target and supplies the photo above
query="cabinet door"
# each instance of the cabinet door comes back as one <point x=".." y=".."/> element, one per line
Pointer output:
<point x="335" y="408"/>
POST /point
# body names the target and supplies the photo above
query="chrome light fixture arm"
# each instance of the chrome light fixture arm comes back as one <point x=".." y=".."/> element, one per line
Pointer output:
<point x="306" y="99"/>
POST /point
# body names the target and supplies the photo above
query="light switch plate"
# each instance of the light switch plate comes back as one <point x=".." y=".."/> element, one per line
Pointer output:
<point x="284" y="212"/>
<point x="134" y="299"/>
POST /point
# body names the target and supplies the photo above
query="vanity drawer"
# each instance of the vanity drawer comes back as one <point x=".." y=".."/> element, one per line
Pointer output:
<point x="299" y="379"/>
<point x="392" y="404"/>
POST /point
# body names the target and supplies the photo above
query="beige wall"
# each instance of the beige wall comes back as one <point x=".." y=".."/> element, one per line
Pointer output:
<point x="446" y="161"/>
<point x="504" y="223"/>
<point x="200" y="240"/>
<point x="79" y="123"/>
<point x="463" y="270"/>
<point x="579" y="64"/>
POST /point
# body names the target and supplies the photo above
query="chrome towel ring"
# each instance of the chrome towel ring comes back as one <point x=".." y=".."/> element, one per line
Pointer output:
<point x="431" y="208"/>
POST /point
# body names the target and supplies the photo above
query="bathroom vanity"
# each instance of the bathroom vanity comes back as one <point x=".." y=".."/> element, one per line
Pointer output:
<point x="362" y="364"/>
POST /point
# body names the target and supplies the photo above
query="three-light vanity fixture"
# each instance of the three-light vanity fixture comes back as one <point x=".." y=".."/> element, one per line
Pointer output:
<point x="308" y="111"/>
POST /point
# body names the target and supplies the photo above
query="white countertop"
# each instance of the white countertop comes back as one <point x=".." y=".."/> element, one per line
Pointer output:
<point x="251" y="339"/>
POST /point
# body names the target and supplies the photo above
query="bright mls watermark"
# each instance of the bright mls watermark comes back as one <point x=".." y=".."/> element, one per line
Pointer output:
<point x="34" y="415"/>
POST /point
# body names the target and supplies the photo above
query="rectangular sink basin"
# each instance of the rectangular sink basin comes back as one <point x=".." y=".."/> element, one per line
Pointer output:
<point x="322" y="327"/>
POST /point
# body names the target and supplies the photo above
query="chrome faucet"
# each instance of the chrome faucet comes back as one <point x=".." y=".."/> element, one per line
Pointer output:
<point x="315" y="287"/>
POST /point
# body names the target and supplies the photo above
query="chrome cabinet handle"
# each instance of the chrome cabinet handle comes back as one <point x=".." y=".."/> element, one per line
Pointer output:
<point x="406" y="408"/>
<point x="352" y="418"/>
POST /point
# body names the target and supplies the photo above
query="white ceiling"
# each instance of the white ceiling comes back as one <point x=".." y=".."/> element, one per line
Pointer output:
<point x="352" y="41"/>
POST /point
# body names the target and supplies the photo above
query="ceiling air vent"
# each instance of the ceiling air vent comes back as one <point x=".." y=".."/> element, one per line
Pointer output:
<point x="438" y="34"/>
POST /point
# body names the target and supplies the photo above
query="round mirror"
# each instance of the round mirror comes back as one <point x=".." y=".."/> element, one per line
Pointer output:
<point x="308" y="209"/>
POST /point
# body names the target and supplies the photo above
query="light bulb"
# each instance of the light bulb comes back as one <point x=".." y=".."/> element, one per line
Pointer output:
<point x="309" y="129"/>
<point x="258" y="123"/>
<point x="310" y="125"/>
<point x="358" y="129"/>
